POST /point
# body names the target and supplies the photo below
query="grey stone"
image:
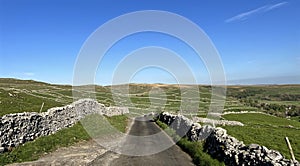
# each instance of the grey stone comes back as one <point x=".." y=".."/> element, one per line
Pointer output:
<point x="265" y="150"/>
<point x="254" y="146"/>
<point x="2" y="149"/>
<point x="22" y="127"/>
<point x="274" y="155"/>
<point x="220" y="131"/>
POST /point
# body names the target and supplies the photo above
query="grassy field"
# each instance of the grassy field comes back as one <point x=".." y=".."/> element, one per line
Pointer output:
<point x="28" y="96"/>
<point x="266" y="130"/>
<point x="33" y="150"/>
<point x="280" y="100"/>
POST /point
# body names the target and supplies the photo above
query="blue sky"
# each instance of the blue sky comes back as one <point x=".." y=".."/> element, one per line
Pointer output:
<point x="258" y="41"/>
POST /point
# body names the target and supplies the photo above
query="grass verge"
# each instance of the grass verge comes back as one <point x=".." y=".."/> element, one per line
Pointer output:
<point x="119" y="122"/>
<point x="194" y="149"/>
<point x="66" y="137"/>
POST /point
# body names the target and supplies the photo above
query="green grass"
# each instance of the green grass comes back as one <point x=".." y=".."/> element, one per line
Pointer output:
<point x="119" y="122"/>
<point x="272" y="99"/>
<point x="194" y="149"/>
<point x="296" y="118"/>
<point x="297" y="103"/>
<point x="33" y="150"/>
<point x="69" y="136"/>
<point x="23" y="102"/>
<point x="266" y="130"/>
<point x="28" y="96"/>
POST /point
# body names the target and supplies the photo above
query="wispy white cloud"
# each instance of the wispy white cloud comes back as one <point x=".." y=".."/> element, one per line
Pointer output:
<point x="29" y="74"/>
<point x="276" y="5"/>
<point x="263" y="9"/>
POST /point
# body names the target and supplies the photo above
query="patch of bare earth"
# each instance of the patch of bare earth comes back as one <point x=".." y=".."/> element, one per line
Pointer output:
<point x="81" y="153"/>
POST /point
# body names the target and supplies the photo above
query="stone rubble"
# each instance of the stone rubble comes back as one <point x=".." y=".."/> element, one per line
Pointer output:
<point x="223" y="146"/>
<point x="18" y="128"/>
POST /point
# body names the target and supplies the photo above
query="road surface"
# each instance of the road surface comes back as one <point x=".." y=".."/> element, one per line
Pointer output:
<point x="143" y="126"/>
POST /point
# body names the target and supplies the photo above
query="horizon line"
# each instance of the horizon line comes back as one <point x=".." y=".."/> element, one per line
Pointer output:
<point x="187" y="84"/>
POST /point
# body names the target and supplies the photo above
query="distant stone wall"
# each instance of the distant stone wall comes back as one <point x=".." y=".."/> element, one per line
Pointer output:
<point x="217" y="122"/>
<point x="223" y="146"/>
<point x="16" y="129"/>
<point x="112" y="111"/>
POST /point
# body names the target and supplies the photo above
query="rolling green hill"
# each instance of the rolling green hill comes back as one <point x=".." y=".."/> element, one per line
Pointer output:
<point x="28" y="95"/>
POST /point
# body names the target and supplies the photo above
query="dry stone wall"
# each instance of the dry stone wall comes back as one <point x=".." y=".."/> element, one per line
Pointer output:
<point x="16" y="129"/>
<point x="223" y="146"/>
<point x="217" y="122"/>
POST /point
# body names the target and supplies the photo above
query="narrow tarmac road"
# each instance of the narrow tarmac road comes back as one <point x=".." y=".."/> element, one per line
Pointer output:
<point x="145" y="145"/>
<point x="151" y="140"/>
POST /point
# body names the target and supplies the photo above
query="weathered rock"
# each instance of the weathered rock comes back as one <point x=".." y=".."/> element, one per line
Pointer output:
<point x="2" y="149"/>
<point x="16" y="129"/>
<point x="254" y="146"/>
<point x="274" y="155"/>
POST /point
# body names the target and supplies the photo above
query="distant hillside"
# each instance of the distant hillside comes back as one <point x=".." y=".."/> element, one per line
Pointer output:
<point x="28" y="95"/>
